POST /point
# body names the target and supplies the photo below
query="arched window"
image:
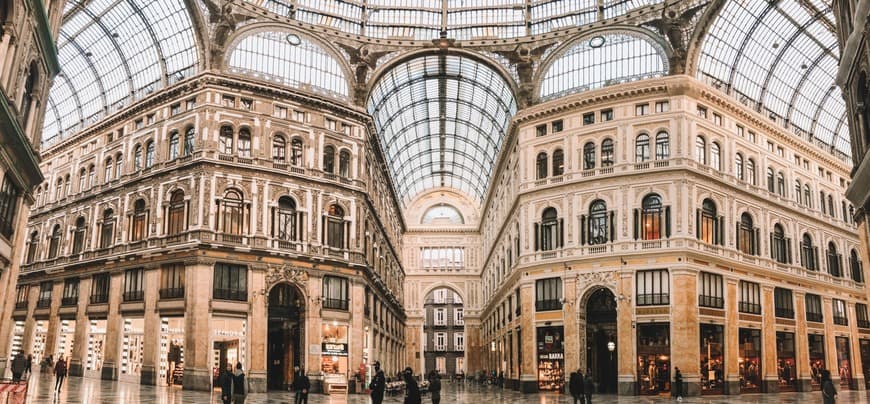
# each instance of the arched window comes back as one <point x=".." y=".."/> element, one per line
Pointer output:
<point x="279" y="149"/>
<point x="715" y="161"/>
<point x="663" y="146"/>
<point x="851" y="214"/>
<point x="651" y="217"/>
<point x="808" y="196"/>
<point x="226" y="139"/>
<point x="808" y="253"/>
<point x="232" y="214"/>
<point x="92" y="176"/>
<point x="558" y="162"/>
<point x="701" y="150"/>
<point x="834" y="259"/>
<point x="188" y="140"/>
<point x="79" y="236"/>
<point x="173" y="145"/>
<point x="335" y="227"/>
<point x="244" y="147"/>
<point x="750" y="171"/>
<point x="296" y="152"/>
<point x="607" y="153"/>
<point x="738" y="166"/>
<point x="779" y="245"/>
<point x="641" y="148"/>
<point x="708" y="221"/>
<point x="107" y="229"/>
<point x="856" y="266"/>
<point x="140" y="220"/>
<point x="771" y="182"/>
<point x="747" y="235"/>
<point x="831" y="210"/>
<point x="177" y="219"/>
<point x="54" y="242"/>
<point x="149" y="154"/>
<point x="797" y="191"/>
<point x="58" y="191"/>
<point x="599" y="229"/>
<point x="344" y="164"/>
<point x="442" y="213"/>
<point x="29" y="88"/>
<point x="107" y="173"/>
<point x="38" y="201"/>
<point x="780" y="184"/>
<point x="67" y="185"/>
<point x="32" y="246"/>
<point x="329" y="159"/>
<point x="550" y="237"/>
<point x="589" y="156"/>
<point x="541" y="165"/>
<point x="83" y="179"/>
<point x="119" y="165"/>
<point x="287" y="229"/>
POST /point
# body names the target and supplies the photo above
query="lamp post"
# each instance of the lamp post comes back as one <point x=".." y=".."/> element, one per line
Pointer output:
<point x="611" y="346"/>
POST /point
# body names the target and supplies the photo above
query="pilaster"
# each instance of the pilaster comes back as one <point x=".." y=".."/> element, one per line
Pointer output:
<point x="768" y="341"/>
<point x="528" y="374"/>
<point x="112" y="351"/>
<point x="197" y="332"/>
<point x="79" y="348"/>
<point x="626" y="353"/>
<point x="685" y="331"/>
<point x="804" y="376"/>
<point x="258" y="329"/>
<point x="151" y="352"/>
<point x="732" y="338"/>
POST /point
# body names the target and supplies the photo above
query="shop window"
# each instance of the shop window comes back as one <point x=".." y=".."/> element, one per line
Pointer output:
<point x="783" y="303"/>
<point x="844" y="360"/>
<point x="817" y="359"/>
<point x="172" y="281"/>
<point x="814" y="307"/>
<point x="839" y="310"/>
<point x="653" y="288"/>
<point x="548" y="294"/>
<point x="750" y="298"/>
<point x="786" y="366"/>
<point x="335" y="293"/>
<point x="653" y="358"/>
<point x="100" y="289"/>
<point x="134" y="285"/>
<point x="710" y="290"/>
<point x="750" y="352"/>
<point x="230" y="282"/>
<point x="551" y="358"/>
<point x="712" y="359"/>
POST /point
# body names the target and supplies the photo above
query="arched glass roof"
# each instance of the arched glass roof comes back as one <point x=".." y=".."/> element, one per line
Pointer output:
<point x="780" y="57"/>
<point x="112" y="53"/>
<point x="291" y="60"/>
<point x="441" y="120"/>
<point x="461" y="19"/>
<point x="601" y="60"/>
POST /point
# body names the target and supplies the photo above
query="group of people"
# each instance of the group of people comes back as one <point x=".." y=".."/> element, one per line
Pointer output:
<point x="22" y="366"/>
<point x="413" y="395"/>
<point x="581" y="387"/>
<point x="232" y="384"/>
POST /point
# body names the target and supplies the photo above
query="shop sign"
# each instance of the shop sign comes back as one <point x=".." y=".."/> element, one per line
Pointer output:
<point x="334" y="349"/>
<point x="551" y="356"/>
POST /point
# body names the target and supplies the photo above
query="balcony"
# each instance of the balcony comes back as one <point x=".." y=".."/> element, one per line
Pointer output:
<point x="546" y="305"/>
<point x="749" y="308"/>
<point x="231" y="294"/>
<point x="69" y="301"/>
<point x="172" y="293"/>
<point x="335" y="304"/>
<point x="863" y="323"/>
<point x="841" y="320"/>
<point x="43" y="303"/>
<point x="653" y="299"/>
<point x="134" y="296"/>
<point x="100" y="298"/>
<point x="20" y="305"/>
<point x="784" y="313"/>
<point x="711" y="301"/>
<point x="815" y="317"/>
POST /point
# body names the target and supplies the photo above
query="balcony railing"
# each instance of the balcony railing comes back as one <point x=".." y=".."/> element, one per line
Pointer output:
<point x="134" y="296"/>
<point x="171" y="293"/>
<point x="231" y="294"/>
<point x="784" y="313"/>
<point x="69" y="301"/>
<point x="21" y="305"/>
<point x="863" y="323"/>
<point x="815" y="317"/>
<point x="100" y="298"/>
<point x="546" y="305"/>
<point x="711" y="301"/>
<point x="750" y="308"/>
<point x="43" y="303"/>
<point x="841" y="320"/>
<point x="653" y="299"/>
<point x="335" y="304"/>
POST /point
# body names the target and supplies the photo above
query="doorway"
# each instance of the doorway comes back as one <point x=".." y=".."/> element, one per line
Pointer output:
<point x="286" y="308"/>
<point x="601" y="343"/>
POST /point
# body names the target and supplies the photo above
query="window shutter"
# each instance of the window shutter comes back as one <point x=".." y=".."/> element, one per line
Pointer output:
<point x="612" y="228"/>
<point x="584" y="230"/>
<point x="273" y="222"/>
<point x="561" y="232"/>
<point x="667" y="221"/>
<point x="737" y="235"/>
<point x="301" y="226"/>
<point x="323" y="230"/>
<point x="840" y="263"/>
<point x="217" y="219"/>
<point x="788" y="251"/>
<point x="698" y="224"/>
<point x="346" y="235"/>
<point x="772" y="247"/>
<point x="721" y="230"/>
<point x="636" y="223"/>
<point x="755" y="241"/>
<point x="537" y="236"/>
<point x="816" y="258"/>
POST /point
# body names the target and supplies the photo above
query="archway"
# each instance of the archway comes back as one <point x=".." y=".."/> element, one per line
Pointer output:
<point x="601" y="343"/>
<point x="286" y="333"/>
<point x="444" y="332"/>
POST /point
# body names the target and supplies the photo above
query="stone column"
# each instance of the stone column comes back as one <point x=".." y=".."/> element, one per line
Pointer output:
<point x="356" y="332"/>
<point x="474" y="345"/>
<point x="414" y="352"/>
<point x="197" y="330"/>
<point x="30" y="322"/>
<point x="54" y="320"/>
<point x="313" y="336"/>
<point x="685" y="348"/>
<point x="258" y="332"/>
<point x="857" y="363"/>
<point x="830" y="341"/>
<point x="112" y="350"/>
<point x="625" y="336"/>
<point x="732" y="338"/>
<point x="768" y="341"/>
<point x="80" y="338"/>
<point x="570" y="317"/>
<point x="151" y="329"/>
<point x="528" y="373"/>
<point x="802" y="344"/>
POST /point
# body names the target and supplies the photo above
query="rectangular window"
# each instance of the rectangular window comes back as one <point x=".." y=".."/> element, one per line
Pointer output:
<point x="540" y="130"/>
<point x="330" y="124"/>
<point x="663" y="106"/>
<point x="780" y="151"/>
<point x="175" y="109"/>
<point x="783" y="303"/>
<point x="22" y="295"/>
<point x="641" y="109"/>
<point x="814" y="308"/>
<point x="458" y="317"/>
<point x="440" y="317"/>
<point x="557" y="126"/>
<point x="45" y="294"/>
<point x="861" y="314"/>
<point x="191" y="104"/>
<point x="172" y="281"/>
<point x="702" y="112"/>
<point x="100" y="289"/>
<point x="335" y="293"/>
<point x="839" y="307"/>
<point x="752" y="136"/>
<point x="589" y="119"/>
<point x="548" y="294"/>
<point x="711" y="291"/>
<point x="717" y="119"/>
<point x="653" y="288"/>
<point x="606" y="115"/>
<point x="442" y="258"/>
<point x="70" y="292"/>
<point x="440" y="296"/>
<point x="247" y="103"/>
<point x="230" y="282"/>
<point x="139" y="123"/>
<point x="440" y="341"/>
<point x="750" y="298"/>
<point x="770" y="147"/>
<point x="459" y="342"/>
<point x="298" y="116"/>
<point x="228" y="101"/>
<point x="134" y="285"/>
<point x="740" y="131"/>
<point x="9" y="194"/>
<point x="280" y="112"/>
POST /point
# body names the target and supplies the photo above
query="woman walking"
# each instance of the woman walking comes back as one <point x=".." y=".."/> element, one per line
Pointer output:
<point x="435" y="386"/>
<point x="412" y="391"/>
<point x="226" y="382"/>
<point x="239" y="385"/>
<point x="59" y="373"/>
<point x="829" y="393"/>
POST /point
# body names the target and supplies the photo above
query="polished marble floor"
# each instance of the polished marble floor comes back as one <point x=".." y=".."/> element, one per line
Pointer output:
<point x="92" y="391"/>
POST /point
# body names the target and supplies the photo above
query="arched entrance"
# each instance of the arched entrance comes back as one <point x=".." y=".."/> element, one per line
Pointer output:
<point x="444" y="332"/>
<point x="286" y="322"/>
<point x="601" y="343"/>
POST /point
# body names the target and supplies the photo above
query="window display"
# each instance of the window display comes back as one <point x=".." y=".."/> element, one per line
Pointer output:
<point x="65" y="339"/>
<point x="334" y="349"/>
<point x="229" y="341"/>
<point x="785" y="361"/>
<point x="653" y="358"/>
<point x="817" y="359"/>
<point x="712" y="359"/>
<point x="551" y="358"/>
<point x="844" y="362"/>
<point x="16" y="346"/>
<point x="172" y="351"/>
<point x="132" y="348"/>
<point x="96" y="346"/>
<point x="39" y="337"/>
<point x="865" y="359"/>
<point x="749" y="360"/>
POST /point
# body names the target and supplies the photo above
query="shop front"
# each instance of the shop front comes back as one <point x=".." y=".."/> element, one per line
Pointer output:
<point x="39" y="349"/>
<point x="712" y="359"/>
<point x="844" y="362"/>
<point x="16" y="345"/>
<point x="749" y="360"/>
<point x="228" y="344"/>
<point x="334" y="356"/>
<point x="551" y="358"/>
<point x="653" y="358"/>
<point x="865" y="360"/>
<point x="65" y="339"/>
<point x="96" y="348"/>
<point x="132" y="349"/>
<point x="171" y="351"/>
<point x="786" y="366"/>
<point x="817" y="359"/>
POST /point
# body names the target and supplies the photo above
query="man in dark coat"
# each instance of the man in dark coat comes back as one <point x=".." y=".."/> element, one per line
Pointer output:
<point x="225" y="381"/>
<point x="412" y="390"/>
<point x="588" y="387"/>
<point x="435" y="386"/>
<point x="304" y="386"/>
<point x="678" y="383"/>
<point x="19" y="364"/>
<point x="378" y="385"/>
<point x="575" y="386"/>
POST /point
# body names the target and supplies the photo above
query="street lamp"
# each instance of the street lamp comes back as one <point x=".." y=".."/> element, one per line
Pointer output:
<point x="611" y="346"/>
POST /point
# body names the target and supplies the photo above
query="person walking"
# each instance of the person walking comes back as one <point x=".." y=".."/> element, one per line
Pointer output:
<point x="575" y="386"/>
<point x="19" y="364"/>
<point x="412" y="390"/>
<point x="829" y="393"/>
<point x="304" y="387"/>
<point x="678" y="383"/>
<point x="588" y="387"/>
<point x="59" y="372"/>
<point x="29" y="365"/>
<point x="435" y="386"/>
<point x="225" y="381"/>
<point x="239" y="385"/>
<point x="378" y="385"/>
